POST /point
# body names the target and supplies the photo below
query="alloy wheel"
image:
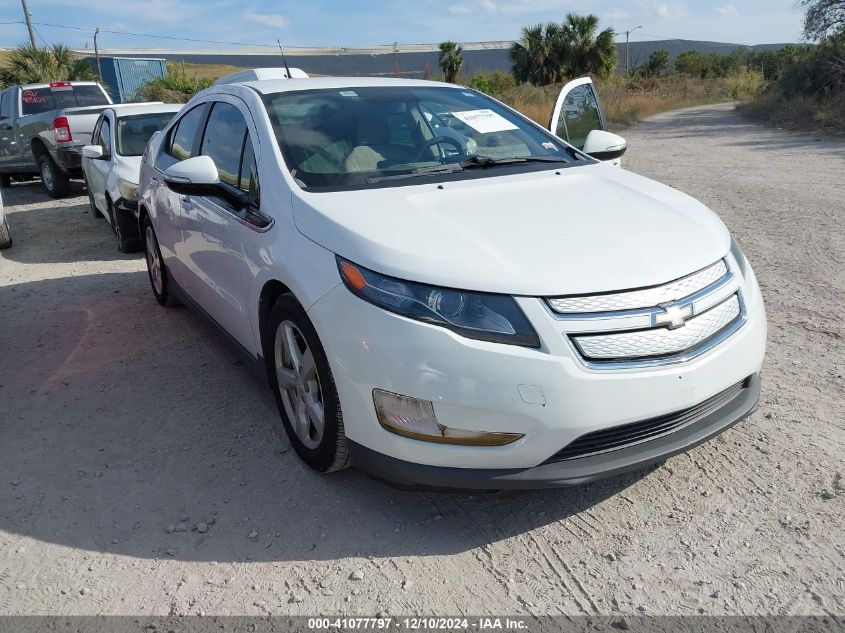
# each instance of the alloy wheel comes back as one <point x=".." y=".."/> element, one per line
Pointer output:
<point x="299" y="384"/>
<point x="154" y="261"/>
<point x="47" y="176"/>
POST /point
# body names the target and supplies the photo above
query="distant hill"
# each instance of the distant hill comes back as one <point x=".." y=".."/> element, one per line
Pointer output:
<point x="412" y="61"/>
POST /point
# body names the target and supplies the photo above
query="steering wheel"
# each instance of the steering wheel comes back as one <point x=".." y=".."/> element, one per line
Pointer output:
<point x="437" y="140"/>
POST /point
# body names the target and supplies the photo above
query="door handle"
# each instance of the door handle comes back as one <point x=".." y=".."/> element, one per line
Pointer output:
<point x="186" y="204"/>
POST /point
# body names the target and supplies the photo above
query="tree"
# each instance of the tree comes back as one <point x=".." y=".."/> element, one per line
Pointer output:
<point x="535" y="57"/>
<point x="29" y="64"/>
<point x="450" y="60"/>
<point x="548" y="53"/>
<point x="584" y="51"/>
<point x="823" y="18"/>
<point x="656" y="64"/>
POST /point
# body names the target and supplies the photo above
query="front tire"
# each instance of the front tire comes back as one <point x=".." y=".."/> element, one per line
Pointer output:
<point x="56" y="183"/>
<point x="95" y="212"/>
<point x="156" y="269"/>
<point x="302" y="381"/>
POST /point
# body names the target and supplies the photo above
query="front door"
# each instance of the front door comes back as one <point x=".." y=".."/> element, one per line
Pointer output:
<point x="97" y="169"/>
<point x="215" y="228"/>
<point x="577" y="112"/>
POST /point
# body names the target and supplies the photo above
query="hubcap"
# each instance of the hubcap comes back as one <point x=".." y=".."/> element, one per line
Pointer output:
<point x="299" y="384"/>
<point x="153" y="261"/>
<point x="47" y="176"/>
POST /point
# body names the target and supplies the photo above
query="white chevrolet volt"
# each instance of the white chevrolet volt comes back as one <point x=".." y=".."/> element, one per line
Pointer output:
<point x="443" y="293"/>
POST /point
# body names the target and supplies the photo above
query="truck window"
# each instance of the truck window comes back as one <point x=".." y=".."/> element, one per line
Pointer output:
<point x="6" y="104"/>
<point x="38" y="100"/>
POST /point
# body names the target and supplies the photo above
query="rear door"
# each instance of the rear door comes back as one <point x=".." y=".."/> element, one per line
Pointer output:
<point x="577" y="112"/>
<point x="181" y="143"/>
<point x="9" y="148"/>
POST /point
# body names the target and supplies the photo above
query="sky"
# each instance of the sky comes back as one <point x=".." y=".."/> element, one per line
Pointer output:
<point x="256" y="23"/>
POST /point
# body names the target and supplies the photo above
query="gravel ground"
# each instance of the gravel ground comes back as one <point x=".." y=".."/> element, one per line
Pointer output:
<point x="141" y="475"/>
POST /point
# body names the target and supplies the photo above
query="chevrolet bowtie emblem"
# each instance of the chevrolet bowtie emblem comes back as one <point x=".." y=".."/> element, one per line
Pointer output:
<point x="673" y="317"/>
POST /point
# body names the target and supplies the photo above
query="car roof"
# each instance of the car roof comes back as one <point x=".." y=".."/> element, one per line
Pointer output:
<point x="270" y="86"/>
<point x="131" y="109"/>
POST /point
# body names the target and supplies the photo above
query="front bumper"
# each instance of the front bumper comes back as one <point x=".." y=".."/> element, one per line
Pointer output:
<point x="547" y="394"/>
<point x="570" y="472"/>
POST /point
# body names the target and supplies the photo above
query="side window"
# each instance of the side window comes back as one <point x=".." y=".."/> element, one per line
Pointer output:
<point x="223" y="141"/>
<point x="95" y="135"/>
<point x="183" y="136"/>
<point x="579" y="116"/>
<point x="105" y="137"/>
<point x="248" y="180"/>
<point x="6" y="105"/>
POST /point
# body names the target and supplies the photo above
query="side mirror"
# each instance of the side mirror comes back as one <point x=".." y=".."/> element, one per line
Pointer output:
<point x="603" y="145"/>
<point x="93" y="152"/>
<point x="195" y="176"/>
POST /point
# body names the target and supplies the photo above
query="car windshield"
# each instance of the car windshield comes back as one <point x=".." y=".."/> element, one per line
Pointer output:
<point x="38" y="100"/>
<point x="133" y="132"/>
<point x="359" y="137"/>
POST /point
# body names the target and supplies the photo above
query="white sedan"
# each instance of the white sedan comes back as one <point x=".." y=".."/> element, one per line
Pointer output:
<point x="112" y="162"/>
<point x="444" y="293"/>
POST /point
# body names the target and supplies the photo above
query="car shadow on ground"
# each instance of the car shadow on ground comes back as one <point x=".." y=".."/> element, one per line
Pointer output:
<point x="80" y="232"/>
<point x="131" y="429"/>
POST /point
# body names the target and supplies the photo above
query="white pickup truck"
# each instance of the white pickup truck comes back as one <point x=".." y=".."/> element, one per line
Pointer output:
<point x="43" y="128"/>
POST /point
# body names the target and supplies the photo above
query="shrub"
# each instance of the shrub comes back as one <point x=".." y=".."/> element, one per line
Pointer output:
<point x="175" y="87"/>
<point x="493" y="83"/>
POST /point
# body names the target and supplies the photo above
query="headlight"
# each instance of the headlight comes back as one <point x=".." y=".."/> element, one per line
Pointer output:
<point x="736" y="251"/>
<point x="487" y="317"/>
<point x="128" y="190"/>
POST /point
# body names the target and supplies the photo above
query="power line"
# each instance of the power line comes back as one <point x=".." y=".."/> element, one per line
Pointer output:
<point x="151" y="35"/>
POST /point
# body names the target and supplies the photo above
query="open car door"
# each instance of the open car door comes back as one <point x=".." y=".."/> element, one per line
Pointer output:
<point x="578" y="118"/>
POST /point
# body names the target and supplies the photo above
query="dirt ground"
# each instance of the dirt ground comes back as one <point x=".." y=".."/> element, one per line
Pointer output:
<point x="141" y="474"/>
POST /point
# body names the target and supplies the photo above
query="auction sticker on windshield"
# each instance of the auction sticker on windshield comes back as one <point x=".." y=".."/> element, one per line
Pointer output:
<point x="485" y="121"/>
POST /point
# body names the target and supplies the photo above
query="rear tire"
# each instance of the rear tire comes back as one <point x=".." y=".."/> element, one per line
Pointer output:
<point x="156" y="269"/>
<point x="56" y="182"/>
<point x="5" y="233"/>
<point x="302" y="381"/>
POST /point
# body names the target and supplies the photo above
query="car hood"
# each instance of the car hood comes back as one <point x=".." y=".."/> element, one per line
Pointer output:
<point x="585" y="229"/>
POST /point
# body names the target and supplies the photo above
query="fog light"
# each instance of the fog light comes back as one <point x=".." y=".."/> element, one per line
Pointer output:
<point x="414" y="418"/>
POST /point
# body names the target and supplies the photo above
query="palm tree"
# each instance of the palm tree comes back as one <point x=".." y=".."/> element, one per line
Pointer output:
<point x="30" y="64"/>
<point x="549" y="53"/>
<point x="585" y="52"/>
<point x="535" y="57"/>
<point x="450" y="60"/>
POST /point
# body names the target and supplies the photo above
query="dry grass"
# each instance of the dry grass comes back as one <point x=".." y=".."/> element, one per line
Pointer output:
<point x="203" y="71"/>
<point x="627" y="101"/>
<point x="799" y="112"/>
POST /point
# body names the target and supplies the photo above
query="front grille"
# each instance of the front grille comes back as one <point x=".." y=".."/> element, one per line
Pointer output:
<point x="618" y="437"/>
<point x="643" y="298"/>
<point x="659" y="341"/>
<point x="660" y="325"/>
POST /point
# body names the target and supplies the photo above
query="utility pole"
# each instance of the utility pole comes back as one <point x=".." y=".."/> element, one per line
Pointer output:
<point x="97" y="53"/>
<point x="26" y="17"/>
<point x="628" y="50"/>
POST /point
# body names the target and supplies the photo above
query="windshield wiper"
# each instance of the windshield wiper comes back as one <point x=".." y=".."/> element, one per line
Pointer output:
<point x="483" y="162"/>
<point x="420" y="171"/>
